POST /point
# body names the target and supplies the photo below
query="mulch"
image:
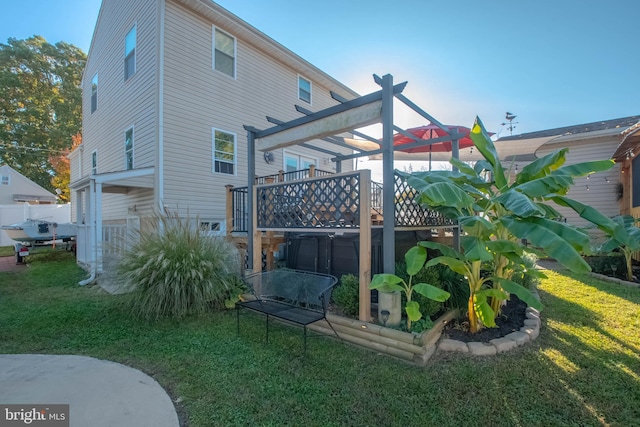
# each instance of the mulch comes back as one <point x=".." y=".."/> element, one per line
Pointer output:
<point x="511" y="319"/>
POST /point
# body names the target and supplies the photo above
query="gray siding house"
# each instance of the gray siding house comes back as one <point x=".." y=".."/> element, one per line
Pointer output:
<point x="167" y="88"/>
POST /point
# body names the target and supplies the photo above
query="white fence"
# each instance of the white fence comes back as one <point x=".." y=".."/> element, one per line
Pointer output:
<point x="13" y="214"/>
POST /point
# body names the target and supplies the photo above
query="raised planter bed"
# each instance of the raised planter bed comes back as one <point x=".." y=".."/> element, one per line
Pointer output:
<point x="412" y="347"/>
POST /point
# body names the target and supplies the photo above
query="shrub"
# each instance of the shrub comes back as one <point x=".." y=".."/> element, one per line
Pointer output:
<point x="606" y="263"/>
<point x="456" y="285"/>
<point x="346" y="295"/>
<point x="174" y="270"/>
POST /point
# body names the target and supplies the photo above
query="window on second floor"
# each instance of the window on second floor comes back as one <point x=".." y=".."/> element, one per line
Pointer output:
<point x="94" y="93"/>
<point x="94" y="163"/>
<point x="224" y="152"/>
<point x="4" y="179"/>
<point x="304" y="89"/>
<point x="128" y="149"/>
<point x="130" y="54"/>
<point x="224" y="53"/>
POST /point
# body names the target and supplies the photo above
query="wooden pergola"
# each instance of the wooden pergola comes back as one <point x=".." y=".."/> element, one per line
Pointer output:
<point x="346" y="117"/>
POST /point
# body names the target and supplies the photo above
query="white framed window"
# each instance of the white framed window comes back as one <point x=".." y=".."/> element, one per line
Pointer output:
<point x="130" y="54"/>
<point x="224" y="152"/>
<point x="5" y="180"/>
<point x="94" y="163"/>
<point x="304" y="89"/>
<point x="128" y="149"/>
<point x="94" y="93"/>
<point x="224" y="53"/>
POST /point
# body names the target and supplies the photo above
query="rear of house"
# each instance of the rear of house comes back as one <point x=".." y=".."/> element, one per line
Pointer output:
<point x="167" y="88"/>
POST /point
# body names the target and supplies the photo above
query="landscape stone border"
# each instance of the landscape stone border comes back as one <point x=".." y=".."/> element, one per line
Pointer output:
<point x="527" y="333"/>
<point x="615" y="280"/>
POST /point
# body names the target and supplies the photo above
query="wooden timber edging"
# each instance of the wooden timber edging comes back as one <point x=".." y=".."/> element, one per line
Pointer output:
<point x="412" y="347"/>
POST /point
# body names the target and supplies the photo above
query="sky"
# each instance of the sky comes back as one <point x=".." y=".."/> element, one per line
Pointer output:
<point x="553" y="63"/>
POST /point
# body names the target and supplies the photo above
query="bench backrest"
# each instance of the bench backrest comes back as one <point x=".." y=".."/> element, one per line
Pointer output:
<point x="305" y="289"/>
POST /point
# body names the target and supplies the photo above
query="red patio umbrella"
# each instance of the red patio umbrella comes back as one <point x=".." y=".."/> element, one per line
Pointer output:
<point x="430" y="132"/>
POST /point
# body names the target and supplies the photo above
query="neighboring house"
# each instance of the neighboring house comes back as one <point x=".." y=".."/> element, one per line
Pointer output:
<point x="586" y="142"/>
<point x="22" y="199"/>
<point x="627" y="155"/>
<point x="17" y="188"/>
<point x="167" y="88"/>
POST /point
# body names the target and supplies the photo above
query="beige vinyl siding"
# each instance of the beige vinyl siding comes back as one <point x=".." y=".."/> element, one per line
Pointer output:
<point x="121" y="104"/>
<point x="601" y="194"/>
<point x="198" y="98"/>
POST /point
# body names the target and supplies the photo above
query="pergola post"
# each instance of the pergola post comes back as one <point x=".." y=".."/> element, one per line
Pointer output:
<point x="364" y="267"/>
<point x="388" y="190"/>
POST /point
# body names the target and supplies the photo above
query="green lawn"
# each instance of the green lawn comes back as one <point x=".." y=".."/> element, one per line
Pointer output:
<point x="583" y="370"/>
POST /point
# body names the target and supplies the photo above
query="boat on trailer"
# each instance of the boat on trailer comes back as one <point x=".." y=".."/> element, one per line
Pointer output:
<point x="40" y="231"/>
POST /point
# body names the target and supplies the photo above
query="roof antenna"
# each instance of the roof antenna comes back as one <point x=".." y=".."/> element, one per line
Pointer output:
<point x="511" y="124"/>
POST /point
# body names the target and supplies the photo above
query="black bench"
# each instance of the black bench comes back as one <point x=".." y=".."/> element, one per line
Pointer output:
<point x="296" y="297"/>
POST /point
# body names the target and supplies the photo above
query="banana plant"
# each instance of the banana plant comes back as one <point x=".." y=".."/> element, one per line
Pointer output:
<point x="628" y="223"/>
<point x="496" y="210"/>
<point x="415" y="259"/>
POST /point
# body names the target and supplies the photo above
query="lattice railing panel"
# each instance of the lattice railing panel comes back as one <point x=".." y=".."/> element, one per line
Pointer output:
<point x="408" y="211"/>
<point x="332" y="201"/>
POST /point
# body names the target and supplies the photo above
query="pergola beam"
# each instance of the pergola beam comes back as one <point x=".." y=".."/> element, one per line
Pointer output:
<point x="320" y="126"/>
<point x="340" y="118"/>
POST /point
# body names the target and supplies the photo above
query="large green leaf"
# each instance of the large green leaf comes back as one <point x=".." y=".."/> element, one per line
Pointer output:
<point x="483" y="310"/>
<point x="485" y="146"/>
<point x="475" y="249"/>
<point x="386" y="283"/>
<point x="518" y="203"/>
<point x="542" y="167"/>
<point x="445" y="250"/>
<point x="549" y="211"/>
<point x="442" y="194"/>
<point x="415" y="259"/>
<point x="603" y="222"/>
<point x="554" y="245"/>
<point x="463" y="167"/>
<point x="585" y="168"/>
<point x="453" y="263"/>
<point x="523" y="293"/>
<point x="546" y="186"/>
<point x="431" y="292"/>
<point x="412" y="308"/>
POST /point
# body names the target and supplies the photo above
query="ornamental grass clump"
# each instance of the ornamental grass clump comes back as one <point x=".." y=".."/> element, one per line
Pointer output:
<point x="176" y="270"/>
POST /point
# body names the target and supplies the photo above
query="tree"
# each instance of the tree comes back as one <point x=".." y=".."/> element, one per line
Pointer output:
<point x="60" y="164"/>
<point x="40" y="104"/>
<point x="496" y="212"/>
